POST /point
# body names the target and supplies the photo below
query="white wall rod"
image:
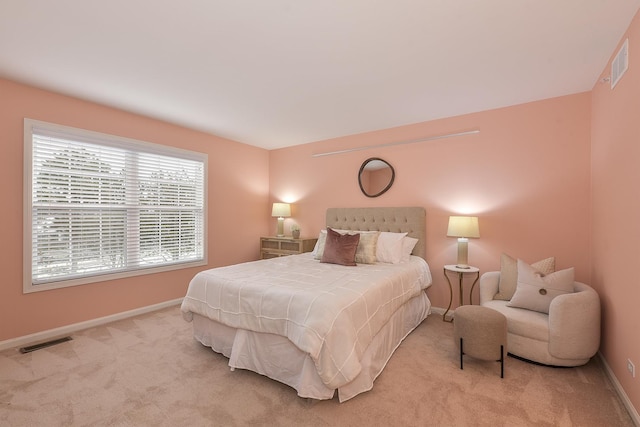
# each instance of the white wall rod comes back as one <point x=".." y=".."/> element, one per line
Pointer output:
<point x="390" y="144"/>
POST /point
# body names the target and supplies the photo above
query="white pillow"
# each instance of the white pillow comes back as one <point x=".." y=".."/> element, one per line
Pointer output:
<point x="408" y="243"/>
<point x="389" y="249"/>
<point x="318" y="249"/>
<point x="535" y="291"/>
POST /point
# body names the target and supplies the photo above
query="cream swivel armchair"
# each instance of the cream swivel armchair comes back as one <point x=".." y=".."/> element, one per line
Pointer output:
<point x="568" y="336"/>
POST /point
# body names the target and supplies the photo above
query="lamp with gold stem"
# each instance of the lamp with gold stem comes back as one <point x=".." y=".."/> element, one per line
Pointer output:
<point x="281" y="210"/>
<point x="463" y="227"/>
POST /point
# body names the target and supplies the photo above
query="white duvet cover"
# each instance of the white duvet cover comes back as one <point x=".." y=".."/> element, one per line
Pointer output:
<point x="328" y="311"/>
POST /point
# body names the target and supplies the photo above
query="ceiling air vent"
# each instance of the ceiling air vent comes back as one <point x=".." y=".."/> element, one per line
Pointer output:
<point x="620" y="64"/>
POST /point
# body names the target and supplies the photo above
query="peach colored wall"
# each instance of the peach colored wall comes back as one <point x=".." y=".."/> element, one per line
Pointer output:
<point x="238" y="210"/>
<point x="615" y="209"/>
<point x="526" y="175"/>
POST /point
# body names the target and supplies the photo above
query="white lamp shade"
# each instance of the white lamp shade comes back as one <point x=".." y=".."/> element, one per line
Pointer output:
<point x="281" y="210"/>
<point x="463" y="226"/>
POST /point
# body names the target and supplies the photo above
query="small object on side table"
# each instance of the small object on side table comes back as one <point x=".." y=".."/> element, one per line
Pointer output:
<point x="460" y="272"/>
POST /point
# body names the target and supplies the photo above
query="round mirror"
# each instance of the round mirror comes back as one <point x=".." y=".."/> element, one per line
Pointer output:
<point x="375" y="177"/>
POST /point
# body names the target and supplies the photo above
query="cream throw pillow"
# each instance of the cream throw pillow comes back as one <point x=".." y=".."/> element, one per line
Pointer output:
<point x="535" y="292"/>
<point x="509" y="274"/>
<point x="366" y="253"/>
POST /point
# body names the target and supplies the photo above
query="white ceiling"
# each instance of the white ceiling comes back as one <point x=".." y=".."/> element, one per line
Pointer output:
<point x="276" y="73"/>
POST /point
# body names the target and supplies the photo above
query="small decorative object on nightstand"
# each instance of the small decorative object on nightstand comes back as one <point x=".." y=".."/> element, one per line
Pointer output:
<point x="273" y="247"/>
<point x="295" y="231"/>
<point x="460" y="272"/>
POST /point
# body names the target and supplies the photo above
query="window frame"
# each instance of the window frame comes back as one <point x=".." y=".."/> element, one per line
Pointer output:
<point x="109" y="140"/>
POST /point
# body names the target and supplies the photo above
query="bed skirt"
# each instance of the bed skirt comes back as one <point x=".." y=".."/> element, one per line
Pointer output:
<point x="277" y="358"/>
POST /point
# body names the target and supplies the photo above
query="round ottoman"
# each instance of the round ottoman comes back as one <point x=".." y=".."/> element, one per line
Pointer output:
<point x="481" y="332"/>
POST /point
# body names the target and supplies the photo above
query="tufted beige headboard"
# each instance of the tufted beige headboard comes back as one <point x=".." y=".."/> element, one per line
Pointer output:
<point x="409" y="219"/>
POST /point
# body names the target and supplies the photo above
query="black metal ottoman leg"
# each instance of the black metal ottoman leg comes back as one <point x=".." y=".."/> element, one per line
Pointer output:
<point x="461" y="352"/>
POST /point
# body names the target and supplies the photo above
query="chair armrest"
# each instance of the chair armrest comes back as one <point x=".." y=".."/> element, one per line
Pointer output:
<point x="489" y="285"/>
<point x="574" y="324"/>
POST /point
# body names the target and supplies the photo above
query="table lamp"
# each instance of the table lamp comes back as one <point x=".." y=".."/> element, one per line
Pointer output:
<point x="463" y="227"/>
<point x="281" y="210"/>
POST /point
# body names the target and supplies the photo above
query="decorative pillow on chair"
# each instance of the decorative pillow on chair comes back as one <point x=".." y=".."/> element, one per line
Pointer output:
<point x="535" y="292"/>
<point x="509" y="274"/>
<point x="340" y="248"/>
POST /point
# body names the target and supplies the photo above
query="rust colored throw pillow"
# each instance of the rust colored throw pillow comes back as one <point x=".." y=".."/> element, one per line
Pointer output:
<point x="340" y="248"/>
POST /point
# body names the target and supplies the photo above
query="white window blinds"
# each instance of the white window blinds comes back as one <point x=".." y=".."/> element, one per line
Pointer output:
<point x="100" y="205"/>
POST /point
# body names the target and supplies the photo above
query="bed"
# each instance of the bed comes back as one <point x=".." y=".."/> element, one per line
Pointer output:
<point x="320" y="328"/>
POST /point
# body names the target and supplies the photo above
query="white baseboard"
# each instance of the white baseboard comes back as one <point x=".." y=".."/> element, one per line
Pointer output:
<point x="69" y="329"/>
<point x="623" y="396"/>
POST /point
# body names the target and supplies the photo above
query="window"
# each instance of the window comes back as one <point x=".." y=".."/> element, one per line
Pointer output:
<point x="100" y="207"/>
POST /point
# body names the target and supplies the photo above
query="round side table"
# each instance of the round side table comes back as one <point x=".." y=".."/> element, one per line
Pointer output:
<point x="460" y="271"/>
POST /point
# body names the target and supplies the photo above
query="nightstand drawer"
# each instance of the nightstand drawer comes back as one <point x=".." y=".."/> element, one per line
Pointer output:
<point x="272" y="247"/>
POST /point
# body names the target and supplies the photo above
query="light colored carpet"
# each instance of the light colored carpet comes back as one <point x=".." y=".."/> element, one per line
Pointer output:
<point x="149" y="371"/>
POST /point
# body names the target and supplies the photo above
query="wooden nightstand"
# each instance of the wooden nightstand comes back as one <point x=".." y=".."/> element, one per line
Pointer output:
<point x="272" y="247"/>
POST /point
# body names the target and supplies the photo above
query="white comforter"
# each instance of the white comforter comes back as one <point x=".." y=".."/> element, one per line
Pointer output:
<point x="329" y="311"/>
